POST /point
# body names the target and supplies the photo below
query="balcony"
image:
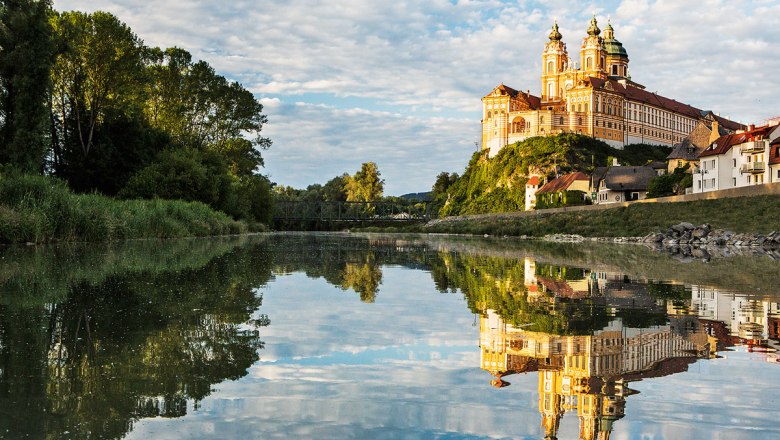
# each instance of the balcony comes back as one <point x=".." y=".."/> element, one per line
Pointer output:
<point x="753" y="168"/>
<point x="753" y="147"/>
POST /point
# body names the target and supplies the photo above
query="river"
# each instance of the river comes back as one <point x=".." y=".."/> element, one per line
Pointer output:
<point x="335" y="336"/>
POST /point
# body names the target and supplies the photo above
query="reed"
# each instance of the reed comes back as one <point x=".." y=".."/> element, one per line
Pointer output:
<point x="40" y="209"/>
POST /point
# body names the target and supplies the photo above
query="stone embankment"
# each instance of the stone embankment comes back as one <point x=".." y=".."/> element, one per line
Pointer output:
<point x="703" y="235"/>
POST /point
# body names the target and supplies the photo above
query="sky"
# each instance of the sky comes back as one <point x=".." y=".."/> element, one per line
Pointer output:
<point x="399" y="83"/>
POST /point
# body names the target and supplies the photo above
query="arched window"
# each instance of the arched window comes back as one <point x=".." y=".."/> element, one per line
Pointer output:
<point x="550" y="90"/>
<point x="579" y="121"/>
<point x="549" y="67"/>
<point x="614" y="69"/>
<point x="489" y="115"/>
<point x="589" y="62"/>
<point x="560" y="121"/>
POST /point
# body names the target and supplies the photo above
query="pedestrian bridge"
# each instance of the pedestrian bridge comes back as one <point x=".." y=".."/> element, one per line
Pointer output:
<point x="379" y="212"/>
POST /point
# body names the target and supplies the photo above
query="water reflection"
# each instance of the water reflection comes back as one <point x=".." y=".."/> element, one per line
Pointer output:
<point x="89" y="349"/>
<point x="97" y="341"/>
<point x="647" y="330"/>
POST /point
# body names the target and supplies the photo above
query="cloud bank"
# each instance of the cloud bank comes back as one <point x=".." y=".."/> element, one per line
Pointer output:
<point x="399" y="83"/>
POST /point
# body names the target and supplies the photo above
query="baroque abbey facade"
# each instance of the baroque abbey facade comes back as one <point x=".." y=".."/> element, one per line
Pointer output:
<point x="596" y="98"/>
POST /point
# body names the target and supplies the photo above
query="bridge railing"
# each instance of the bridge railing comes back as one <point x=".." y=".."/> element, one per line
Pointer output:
<point x="351" y="211"/>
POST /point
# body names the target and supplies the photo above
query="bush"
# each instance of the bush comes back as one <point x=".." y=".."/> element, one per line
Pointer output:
<point x="41" y="209"/>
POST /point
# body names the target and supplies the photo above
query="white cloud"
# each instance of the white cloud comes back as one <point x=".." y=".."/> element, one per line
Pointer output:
<point x="433" y="60"/>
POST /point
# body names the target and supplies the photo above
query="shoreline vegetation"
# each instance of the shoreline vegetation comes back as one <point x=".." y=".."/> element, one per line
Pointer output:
<point x="759" y="214"/>
<point x="40" y="209"/>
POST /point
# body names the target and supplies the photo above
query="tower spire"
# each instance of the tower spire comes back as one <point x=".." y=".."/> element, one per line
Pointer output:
<point x="594" y="27"/>
<point x="555" y="35"/>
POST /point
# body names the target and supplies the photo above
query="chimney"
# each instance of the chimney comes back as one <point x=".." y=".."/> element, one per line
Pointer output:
<point x="751" y="127"/>
<point x="715" y="132"/>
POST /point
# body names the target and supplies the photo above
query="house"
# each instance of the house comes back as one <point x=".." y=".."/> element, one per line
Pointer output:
<point x="567" y="190"/>
<point x="530" y="192"/>
<point x="774" y="160"/>
<point x="657" y="166"/>
<point x="687" y="152"/>
<point x="740" y="159"/>
<point x="621" y="184"/>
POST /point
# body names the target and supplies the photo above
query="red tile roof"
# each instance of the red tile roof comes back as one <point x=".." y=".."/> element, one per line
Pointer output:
<point x="724" y="143"/>
<point x="640" y="95"/>
<point x="534" y="180"/>
<point x="774" y="152"/>
<point x="534" y="102"/>
<point x="562" y="183"/>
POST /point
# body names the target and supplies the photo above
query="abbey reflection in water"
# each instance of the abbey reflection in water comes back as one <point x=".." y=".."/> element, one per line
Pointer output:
<point x="588" y="375"/>
<point x="94" y="339"/>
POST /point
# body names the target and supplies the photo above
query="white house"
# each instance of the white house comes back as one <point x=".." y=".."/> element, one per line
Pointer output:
<point x="530" y="192"/>
<point x="740" y="159"/>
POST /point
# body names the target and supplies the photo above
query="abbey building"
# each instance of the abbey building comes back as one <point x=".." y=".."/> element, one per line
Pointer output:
<point x="595" y="97"/>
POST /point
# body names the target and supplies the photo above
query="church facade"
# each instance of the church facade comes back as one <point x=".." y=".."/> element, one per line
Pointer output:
<point x="594" y="97"/>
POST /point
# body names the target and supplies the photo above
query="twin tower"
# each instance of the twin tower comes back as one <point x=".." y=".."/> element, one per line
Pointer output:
<point x="600" y="57"/>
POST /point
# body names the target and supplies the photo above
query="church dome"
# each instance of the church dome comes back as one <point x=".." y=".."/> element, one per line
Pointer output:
<point x="611" y="45"/>
<point x="615" y="48"/>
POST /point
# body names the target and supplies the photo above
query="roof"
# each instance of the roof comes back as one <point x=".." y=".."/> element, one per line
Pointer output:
<point x="641" y="95"/>
<point x="597" y="175"/>
<point x="534" y="180"/>
<point x="628" y="178"/>
<point x="562" y="183"/>
<point x="656" y="165"/>
<point x="724" y="143"/>
<point x="697" y="140"/>
<point x="774" y="152"/>
<point x="534" y="102"/>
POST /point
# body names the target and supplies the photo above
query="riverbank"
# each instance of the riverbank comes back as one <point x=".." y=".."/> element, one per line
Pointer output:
<point x="759" y="214"/>
<point x="39" y="209"/>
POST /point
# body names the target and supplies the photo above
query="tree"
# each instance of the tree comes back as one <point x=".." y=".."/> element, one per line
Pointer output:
<point x="366" y="185"/>
<point x="670" y="184"/>
<point x="185" y="174"/>
<point x="201" y="109"/>
<point x="26" y="56"/>
<point x="439" y="191"/>
<point x="99" y="67"/>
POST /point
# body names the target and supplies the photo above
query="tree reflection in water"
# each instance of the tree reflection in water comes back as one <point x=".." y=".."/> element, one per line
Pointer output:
<point x="137" y="341"/>
<point x="94" y="338"/>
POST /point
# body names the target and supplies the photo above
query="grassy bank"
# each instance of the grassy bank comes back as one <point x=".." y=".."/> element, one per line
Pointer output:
<point x="747" y="214"/>
<point x="38" y="209"/>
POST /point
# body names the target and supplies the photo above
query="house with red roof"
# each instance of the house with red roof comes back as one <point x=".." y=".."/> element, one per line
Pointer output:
<point x="530" y="192"/>
<point x="567" y="190"/>
<point x="744" y="158"/>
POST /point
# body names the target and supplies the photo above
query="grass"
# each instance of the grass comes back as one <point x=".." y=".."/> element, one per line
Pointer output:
<point x="747" y="214"/>
<point x="39" y="209"/>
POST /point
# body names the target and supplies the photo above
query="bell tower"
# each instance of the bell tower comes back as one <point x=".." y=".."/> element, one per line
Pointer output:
<point x="593" y="56"/>
<point x="617" y="57"/>
<point x="554" y="59"/>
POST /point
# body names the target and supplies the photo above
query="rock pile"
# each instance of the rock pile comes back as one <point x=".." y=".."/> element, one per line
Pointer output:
<point x="703" y="235"/>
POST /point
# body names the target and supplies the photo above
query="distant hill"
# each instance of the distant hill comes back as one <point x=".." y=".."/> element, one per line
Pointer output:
<point x="420" y="196"/>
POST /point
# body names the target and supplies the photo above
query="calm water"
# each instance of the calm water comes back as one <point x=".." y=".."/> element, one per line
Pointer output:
<point x="385" y="337"/>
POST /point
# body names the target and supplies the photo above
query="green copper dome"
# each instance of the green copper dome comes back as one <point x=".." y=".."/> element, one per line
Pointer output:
<point x="611" y="45"/>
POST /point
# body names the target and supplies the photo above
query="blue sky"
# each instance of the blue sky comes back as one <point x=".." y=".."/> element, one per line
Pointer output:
<point x="399" y="82"/>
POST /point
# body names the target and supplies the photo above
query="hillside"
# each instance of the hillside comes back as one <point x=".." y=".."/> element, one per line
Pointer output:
<point x="498" y="184"/>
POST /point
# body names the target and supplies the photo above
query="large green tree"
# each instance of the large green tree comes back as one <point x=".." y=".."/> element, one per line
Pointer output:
<point x="202" y="109"/>
<point x="99" y="68"/>
<point x="26" y="55"/>
<point x="366" y="185"/>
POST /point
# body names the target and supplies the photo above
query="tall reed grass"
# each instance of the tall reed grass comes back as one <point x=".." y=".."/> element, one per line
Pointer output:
<point x="40" y="209"/>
